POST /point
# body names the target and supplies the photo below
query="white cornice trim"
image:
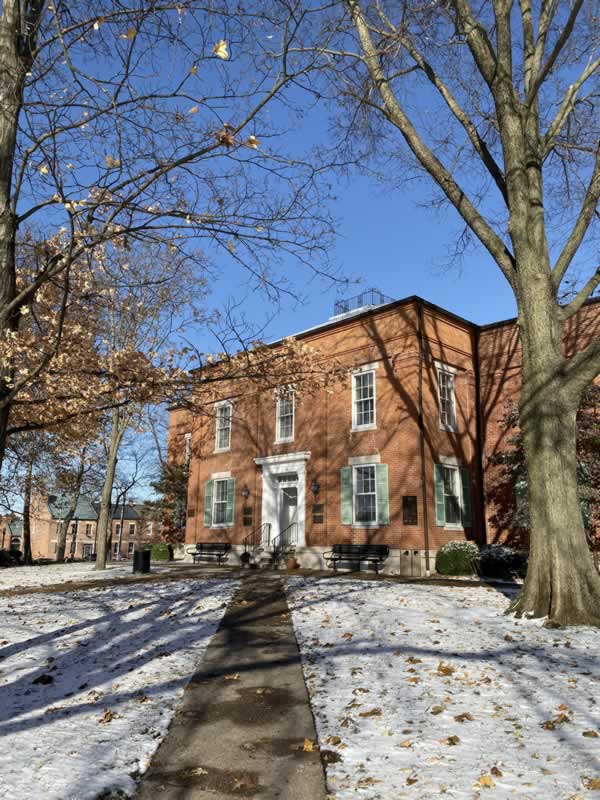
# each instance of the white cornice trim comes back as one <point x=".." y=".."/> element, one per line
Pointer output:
<point x="284" y="458"/>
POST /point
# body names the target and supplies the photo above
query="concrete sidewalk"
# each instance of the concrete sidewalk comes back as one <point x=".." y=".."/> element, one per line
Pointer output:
<point x="241" y="729"/>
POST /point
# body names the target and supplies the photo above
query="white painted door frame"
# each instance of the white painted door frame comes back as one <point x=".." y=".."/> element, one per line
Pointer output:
<point x="272" y="466"/>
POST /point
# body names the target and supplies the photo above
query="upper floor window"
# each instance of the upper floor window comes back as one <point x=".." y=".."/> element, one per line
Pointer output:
<point x="363" y="399"/>
<point x="88" y="528"/>
<point x="188" y="448"/>
<point x="132" y="528"/>
<point x="223" y="433"/>
<point x="285" y="417"/>
<point x="447" y="398"/>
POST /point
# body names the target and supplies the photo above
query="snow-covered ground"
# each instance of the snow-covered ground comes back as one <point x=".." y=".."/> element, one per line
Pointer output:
<point x="17" y="577"/>
<point x="425" y="691"/>
<point x="89" y="681"/>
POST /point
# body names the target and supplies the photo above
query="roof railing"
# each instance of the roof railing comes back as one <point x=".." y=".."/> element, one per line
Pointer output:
<point x="370" y="297"/>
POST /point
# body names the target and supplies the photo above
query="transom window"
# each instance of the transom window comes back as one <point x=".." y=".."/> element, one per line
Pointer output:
<point x="363" y="399"/>
<point x="365" y="494"/>
<point x="452" y="488"/>
<point x="223" y="440"/>
<point x="285" y="417"/>
<point x="447" y="399"/>
<point x="220" y="503"/>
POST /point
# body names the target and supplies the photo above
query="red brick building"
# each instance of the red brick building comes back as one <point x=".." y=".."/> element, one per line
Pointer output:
<point x="399" y="455"/>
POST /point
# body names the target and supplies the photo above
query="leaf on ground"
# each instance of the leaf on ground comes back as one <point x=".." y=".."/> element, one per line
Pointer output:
<point x="445" y="669"/>
<point x="308" y="746"/>
<point x="590" y="734"/>
<point x="143" y="698"/>
<point x="413" y="660"/>
<point x="44" y="679"/>
<point x="107" y="717"/>
<point x="451" y="740"/>
<point x="497" y="773"/>
<point x="334" y="740"/>
<point x="465" y="717"/>
<point x="437" y="709"/>
<point x="232" y="677"/>
<point x="487" y="781"/>
<point x="347" y="636"/>
<point x="411" y="780"/>
<point x="364" y="782"/>
<point x="406" y="743"/>
<point x="593" y="784"/>
<point x="374" y="712"/>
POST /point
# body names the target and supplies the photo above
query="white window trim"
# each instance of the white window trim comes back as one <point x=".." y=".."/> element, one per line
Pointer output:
<point x="214" y="524"/>
<point x="283" y="439"/>
<point x="452" y="463"/>
<point x="356" y="524"/>
<point x="364" y="460"/>
<point x="222" y="404"/>
<point x="449" y="370"/>
<point x="371" y="426"/>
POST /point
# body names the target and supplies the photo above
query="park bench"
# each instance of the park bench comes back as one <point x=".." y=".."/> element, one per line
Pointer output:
<point x="374" y="553"/>
<point x="218" y="550"/>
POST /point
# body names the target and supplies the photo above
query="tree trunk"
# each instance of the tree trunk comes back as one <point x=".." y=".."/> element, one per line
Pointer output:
<point x="27" y="488"/>
<point x="12" y="73"/>
<point x="562" y="583"/>
<point x="104" y="530"/>
<point x="61" y="539"/>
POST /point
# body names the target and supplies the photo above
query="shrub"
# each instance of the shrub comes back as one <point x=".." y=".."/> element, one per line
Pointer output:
<point x="159" y="551"/>
<point x="500" y="561"/>
<point x="10" y="558"/>
<point x="456" y="558"/>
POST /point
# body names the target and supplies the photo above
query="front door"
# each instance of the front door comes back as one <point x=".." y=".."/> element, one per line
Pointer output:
<point x="288" y="506"/>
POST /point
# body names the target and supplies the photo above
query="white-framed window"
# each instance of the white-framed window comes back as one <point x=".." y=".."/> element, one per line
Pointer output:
<point x="365" y="494"/>
<point x="88" y="529"/>
<point x="188" y="447"/>
<point x="447" y="397"/>
<point x="363" y="400"/>
<point x="130" y="547"/>
<point x="115" y="548"/>
<point x="223" y="427"/>
<point x="452" y="496"/>
<point x="131" y="529"/>
<point x="285" y="417"/>
<point x="117" y="528"/>
<point x="452" y="492"/>
<point x="219" y="510"/>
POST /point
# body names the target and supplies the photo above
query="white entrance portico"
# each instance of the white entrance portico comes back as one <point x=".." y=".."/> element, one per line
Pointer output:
<point x="284" y="492"/>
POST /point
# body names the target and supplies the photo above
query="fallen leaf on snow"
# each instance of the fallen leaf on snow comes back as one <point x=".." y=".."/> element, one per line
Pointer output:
<point x="374" y="712"/>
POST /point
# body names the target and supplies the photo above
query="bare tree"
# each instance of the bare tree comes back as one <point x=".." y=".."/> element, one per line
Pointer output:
<point x="144" y="121"/>
<point x="497" y="104"/>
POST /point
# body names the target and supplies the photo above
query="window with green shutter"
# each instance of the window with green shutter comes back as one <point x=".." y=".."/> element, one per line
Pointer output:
<point x="453" y="507"/>
<point x="365" y="495"/>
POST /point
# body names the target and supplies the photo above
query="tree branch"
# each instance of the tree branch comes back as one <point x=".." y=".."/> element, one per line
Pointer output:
<point x="542" y="73"/>
<point x="584" y="218"/>
<point x="573" y="307"/>
<point x="396" y="115"/>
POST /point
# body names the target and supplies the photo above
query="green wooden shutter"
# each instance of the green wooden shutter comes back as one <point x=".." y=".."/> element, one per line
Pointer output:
<point x="440" y="506"/>
<point x="467" y="515"/>
<point x="346" y="495"/>
<point x="230" y="512"/>
<point x="383" y="495"/>
<point x="208" y="498"/>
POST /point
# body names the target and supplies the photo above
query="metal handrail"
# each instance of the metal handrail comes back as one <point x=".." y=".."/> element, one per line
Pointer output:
<point x="287" y="538"/>
<point x="261" y="535"/>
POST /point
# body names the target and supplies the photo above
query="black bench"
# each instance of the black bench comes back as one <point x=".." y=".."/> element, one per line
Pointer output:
<point x="218" y="550"/>
<point x="374" y="553"/>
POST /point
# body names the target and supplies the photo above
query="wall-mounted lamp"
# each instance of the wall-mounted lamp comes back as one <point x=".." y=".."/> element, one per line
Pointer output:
<point x="245" y="492"/>
<point x="315" y="487"/>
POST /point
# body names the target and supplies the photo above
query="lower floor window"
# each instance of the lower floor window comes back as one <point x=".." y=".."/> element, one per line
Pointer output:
<point x="220" y="503"/>
<point x="115" y="548"/>
<point x="452" y="496"/>
<point x="365" y="494"/>
<point x="130" y="548"/>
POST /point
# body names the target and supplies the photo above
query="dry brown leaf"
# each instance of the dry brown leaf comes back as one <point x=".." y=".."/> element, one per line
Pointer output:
<point x="334" y="740"/>
<point x="445" y="669"/>
<point x="406" y="743"/>
<point x="232" y="677"/>
<point x="374" y="712"/>
<point x="496" y="772"/>
<point x="308" y="746"/>
<point x="107" y="717"/>
<point x="451" y="740"/>
<point x="593" y="784"/>
<point x="465" y="717"/>
<point x="487" y="781"/>
<point x="437" y="709"/>
<point x="590" y="734"/>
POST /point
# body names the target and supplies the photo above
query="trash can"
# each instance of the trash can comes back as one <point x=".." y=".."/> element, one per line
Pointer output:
<point x="141" y="560"/>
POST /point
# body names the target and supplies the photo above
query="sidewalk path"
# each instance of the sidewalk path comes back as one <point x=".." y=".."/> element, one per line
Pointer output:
<point x="245" y="716"/>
